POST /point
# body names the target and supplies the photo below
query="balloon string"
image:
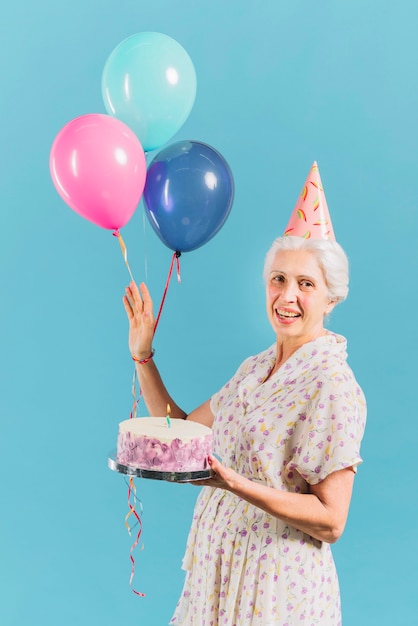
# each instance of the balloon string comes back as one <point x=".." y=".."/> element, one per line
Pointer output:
<point x="134" y="389"/>
<point x="145" y="247"/>
<point x="117" y="234"/>
<point x="175" y="259"/>
<point x="133" y="414"/>
<point x="132" y="492"/>
<point x="133" y="511"/>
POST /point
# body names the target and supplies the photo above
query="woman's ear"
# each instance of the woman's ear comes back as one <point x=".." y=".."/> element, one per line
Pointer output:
<point x="331" y="304"/>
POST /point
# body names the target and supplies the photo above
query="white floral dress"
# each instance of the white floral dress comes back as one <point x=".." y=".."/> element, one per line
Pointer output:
<point x="244" y="566"/>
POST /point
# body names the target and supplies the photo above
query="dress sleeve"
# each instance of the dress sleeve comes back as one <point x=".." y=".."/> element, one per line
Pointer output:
<point x="327" y="438"/>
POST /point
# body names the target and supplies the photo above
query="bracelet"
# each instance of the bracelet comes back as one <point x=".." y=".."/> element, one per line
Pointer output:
<point x="143" y="361"/>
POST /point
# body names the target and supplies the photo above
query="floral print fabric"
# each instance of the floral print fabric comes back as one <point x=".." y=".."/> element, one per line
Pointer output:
<point x="244" y="566"/>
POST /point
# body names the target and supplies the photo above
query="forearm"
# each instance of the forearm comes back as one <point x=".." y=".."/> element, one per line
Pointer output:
<point x="322" y="513"/>
<point x="303" y="511"/>
<point x="155" y="393"/>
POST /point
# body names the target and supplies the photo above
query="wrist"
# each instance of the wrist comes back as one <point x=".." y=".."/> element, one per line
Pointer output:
<point x="142" y="360"/>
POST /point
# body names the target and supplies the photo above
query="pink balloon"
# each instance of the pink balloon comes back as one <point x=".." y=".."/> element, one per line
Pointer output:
<point x="98" y="167"/>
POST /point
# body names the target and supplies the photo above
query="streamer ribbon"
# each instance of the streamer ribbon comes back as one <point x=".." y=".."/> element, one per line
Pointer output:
<point x="136" y="399"/>
<point x="137" y="516"/>
<point x="132" y="414"/>
<point x="132" y="492"/>
<point x="117" y="234"/>
<point x="174" y="260"/>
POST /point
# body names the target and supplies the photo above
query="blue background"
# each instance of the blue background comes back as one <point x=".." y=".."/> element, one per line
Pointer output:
<point x="280" y="84"/>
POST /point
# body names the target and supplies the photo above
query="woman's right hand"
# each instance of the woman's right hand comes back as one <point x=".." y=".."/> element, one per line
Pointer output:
<point x="138" y="307"/>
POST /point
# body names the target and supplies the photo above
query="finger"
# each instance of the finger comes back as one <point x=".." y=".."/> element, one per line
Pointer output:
<point x="208" y="482"/>
<point x="135" y="297"/>
<point x="128" y="307"/>
<point x="215" y="465"/>
<point x="147" y="300"/>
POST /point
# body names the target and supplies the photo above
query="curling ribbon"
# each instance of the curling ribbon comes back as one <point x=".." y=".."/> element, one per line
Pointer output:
<point x="175" y="259"/>
<point x="132" y="511"/>
<point x="131" y="488"/>
<point x="117" y="234"/>
<point x="134" y="388"/>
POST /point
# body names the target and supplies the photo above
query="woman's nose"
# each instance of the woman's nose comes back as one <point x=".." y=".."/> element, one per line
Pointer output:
<point x="289" y="292"/>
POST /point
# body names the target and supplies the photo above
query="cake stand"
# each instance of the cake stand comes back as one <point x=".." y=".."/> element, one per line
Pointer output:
<point x="172" y="477"/>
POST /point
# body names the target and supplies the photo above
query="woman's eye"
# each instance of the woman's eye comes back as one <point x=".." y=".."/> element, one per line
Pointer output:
<point x="278" y="279"/>
<point x="306" y="283"/>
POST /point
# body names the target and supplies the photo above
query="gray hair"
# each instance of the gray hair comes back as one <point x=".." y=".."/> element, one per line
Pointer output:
<point x="329" y="254"/>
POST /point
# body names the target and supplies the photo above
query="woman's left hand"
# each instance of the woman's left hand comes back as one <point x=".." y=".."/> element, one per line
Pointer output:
<point x="221" y="477"/>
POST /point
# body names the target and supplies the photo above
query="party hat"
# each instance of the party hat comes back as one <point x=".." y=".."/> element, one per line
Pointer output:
<point x="310" y="217"/>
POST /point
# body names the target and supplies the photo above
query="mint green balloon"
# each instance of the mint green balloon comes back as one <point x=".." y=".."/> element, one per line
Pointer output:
<point x="149" y="83"/>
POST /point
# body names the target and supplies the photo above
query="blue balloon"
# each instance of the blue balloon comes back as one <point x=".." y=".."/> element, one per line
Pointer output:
<point x="188" y="194"/>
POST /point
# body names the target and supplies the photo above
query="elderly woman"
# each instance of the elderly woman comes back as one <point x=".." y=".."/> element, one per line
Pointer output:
<point x="287" y="428"/>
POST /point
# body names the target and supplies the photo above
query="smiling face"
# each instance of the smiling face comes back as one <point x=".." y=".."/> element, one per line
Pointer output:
<point x="297" y="296"/>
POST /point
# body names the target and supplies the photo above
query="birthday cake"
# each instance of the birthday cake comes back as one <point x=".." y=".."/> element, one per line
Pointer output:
<point x="155" y="443"/>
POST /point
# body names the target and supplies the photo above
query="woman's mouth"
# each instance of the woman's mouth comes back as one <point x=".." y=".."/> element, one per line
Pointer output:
<point x="286" y="315"/>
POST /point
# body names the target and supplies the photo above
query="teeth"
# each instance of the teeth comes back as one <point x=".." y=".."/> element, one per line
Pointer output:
<point x="287" y="314"/>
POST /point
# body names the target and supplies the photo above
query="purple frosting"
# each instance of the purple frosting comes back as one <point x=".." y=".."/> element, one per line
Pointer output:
<point x="151" y="453"/>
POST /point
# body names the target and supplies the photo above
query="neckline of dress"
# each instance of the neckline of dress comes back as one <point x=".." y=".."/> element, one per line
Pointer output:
<point x="329" y="338"/>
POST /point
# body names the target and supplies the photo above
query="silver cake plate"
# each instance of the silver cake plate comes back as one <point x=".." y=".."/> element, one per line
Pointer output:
<point x="172" y="477"/>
